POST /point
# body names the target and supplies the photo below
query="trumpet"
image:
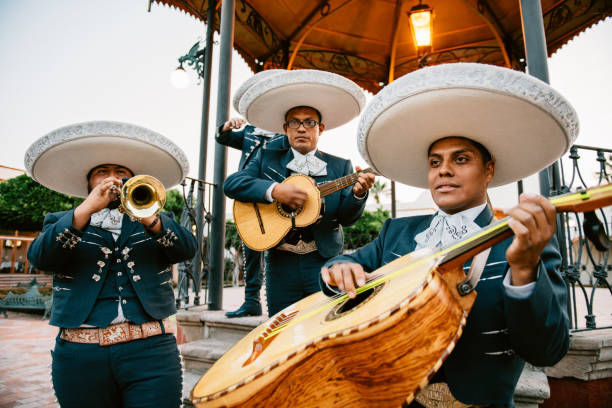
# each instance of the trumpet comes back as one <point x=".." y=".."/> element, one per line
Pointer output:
<point x="142" y="196"/>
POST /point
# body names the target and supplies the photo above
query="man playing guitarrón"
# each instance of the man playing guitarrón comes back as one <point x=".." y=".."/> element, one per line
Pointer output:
<point x="292" y="267"/>
<point x="520" y="311"/>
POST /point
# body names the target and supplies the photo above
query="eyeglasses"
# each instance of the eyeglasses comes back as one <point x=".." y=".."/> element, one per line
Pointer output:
<point x="308" y="123"/>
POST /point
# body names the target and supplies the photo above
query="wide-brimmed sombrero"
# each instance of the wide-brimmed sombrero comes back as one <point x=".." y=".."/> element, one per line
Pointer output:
<point x="250" y="82"/>
<point x="61" y="159"/>
<point x="338" y="99"/>
<point x="524" y="123"/>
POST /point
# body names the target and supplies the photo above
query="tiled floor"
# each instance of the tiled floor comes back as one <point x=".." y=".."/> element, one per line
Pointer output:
<point x="25" y="341"/>
<point x="25" y="359"/>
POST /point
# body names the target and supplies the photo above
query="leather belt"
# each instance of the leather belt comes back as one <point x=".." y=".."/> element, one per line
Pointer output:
<point x="117" y="333"/>
<point x="438" y="395"/>
<point x="300" y="247"/>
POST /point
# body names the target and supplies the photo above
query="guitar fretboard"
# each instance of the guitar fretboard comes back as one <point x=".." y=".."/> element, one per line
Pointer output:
<point x="343" y="182"/>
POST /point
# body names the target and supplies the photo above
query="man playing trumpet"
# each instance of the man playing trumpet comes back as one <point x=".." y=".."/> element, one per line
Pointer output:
<point x="112" y="275"/>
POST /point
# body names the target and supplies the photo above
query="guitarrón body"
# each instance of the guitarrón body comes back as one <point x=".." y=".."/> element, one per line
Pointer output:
<point x="279" y="368"/>
<point x="377" y="351"/>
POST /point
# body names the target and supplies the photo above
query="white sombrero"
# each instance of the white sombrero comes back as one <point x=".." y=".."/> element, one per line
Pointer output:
<point x="61" y="159"/>
<point x="249" y="83"/>
<point x="338" y="99"/>
<point x="524" y="123"/>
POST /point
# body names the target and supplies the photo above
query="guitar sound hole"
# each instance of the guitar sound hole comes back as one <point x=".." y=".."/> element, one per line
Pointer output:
<point x="351" y="304"/>
<point x="286" y="211"/>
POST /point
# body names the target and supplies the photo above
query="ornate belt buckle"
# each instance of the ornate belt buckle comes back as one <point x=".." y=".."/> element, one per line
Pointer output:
<point x="115" y="333"/>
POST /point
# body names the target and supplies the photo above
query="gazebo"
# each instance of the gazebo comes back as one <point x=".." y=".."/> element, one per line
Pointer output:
<point x="371" y="42"/>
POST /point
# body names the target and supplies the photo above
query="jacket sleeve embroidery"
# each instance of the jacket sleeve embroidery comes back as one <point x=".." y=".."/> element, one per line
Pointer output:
<point x="68" y="239"/>
<point x="168" y="239"/>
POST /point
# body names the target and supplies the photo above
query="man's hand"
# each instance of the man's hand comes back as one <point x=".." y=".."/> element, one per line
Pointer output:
<point x="533" y="223"/>
<point x="346" y="276"/>
<point x="101" y="195"/>
<point x="233" y="123"/>
<point x="290" y="195"/>
<point x="364" y="182"/>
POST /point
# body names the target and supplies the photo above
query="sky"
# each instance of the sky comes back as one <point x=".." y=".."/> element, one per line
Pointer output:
<point x="70" y="61"/>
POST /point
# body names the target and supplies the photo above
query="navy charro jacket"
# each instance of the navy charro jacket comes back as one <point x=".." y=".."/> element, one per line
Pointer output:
<point x="270" y="165"/>
<point x="250" y="143"/>
<point x="79" y="260"/>
<point x="502" y="332"/>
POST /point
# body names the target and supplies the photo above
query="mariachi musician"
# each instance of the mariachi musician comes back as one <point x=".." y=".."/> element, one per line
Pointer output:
<point x="112" y="276"/>
<point x="249" y="140"/>
<point x="301" y="104"/>
<point x="459" y="129"/>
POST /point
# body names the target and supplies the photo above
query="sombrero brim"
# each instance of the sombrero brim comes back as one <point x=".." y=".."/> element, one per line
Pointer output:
<point x="337" y="98"/>
<point x="524" y="123"/>
<point x="249" y="83"/>
<point x="61" y="159"/>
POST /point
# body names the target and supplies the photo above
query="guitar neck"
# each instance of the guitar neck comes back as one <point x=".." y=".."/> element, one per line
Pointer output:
<point x="583" y="201"/>
<point x="331" y="187"/>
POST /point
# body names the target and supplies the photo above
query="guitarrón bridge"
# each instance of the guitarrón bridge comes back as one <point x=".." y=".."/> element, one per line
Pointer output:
<point x="264" y="339"/>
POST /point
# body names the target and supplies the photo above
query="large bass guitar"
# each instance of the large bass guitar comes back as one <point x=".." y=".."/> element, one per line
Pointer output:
<point x="378" y="349"/>
<point x="263" y="226"/>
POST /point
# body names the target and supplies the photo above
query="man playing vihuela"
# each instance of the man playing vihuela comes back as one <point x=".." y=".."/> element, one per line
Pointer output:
<point x="459" y="129"/>
<point x="301" y="104"/>
<point x="112" y="275"/>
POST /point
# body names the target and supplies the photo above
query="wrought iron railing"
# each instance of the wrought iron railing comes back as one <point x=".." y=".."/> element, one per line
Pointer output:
<point x="188" y="276"/>
<point x="585" y="239"/>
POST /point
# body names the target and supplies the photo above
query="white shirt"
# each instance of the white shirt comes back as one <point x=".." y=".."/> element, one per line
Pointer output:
<point x="518" y="292"/>
<point x="268" y="195"/>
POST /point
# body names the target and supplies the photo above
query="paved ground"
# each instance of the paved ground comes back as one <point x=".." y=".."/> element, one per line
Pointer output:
<point x="25" y="360"/>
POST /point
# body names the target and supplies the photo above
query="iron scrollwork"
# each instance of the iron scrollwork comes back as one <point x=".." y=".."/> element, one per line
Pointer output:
<point x="248" y="16"/>
<point x="586" y="258"/>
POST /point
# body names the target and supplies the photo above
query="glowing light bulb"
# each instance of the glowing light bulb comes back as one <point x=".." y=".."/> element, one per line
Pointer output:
<point x="179" y="78"/>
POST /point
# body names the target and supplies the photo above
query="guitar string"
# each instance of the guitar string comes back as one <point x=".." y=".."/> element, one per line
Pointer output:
<point x="583" y="195"/>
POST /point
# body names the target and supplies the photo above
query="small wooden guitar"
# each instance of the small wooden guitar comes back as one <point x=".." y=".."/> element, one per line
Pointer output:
<point x="377" y="350"/>
<point x="263" y="226"/>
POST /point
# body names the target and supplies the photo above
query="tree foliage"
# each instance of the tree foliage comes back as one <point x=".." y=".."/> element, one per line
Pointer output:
<point x="377" y="188"/>
<point x="24" y="203"/>
<point x="174" y="203"/>
<point x="365" y="229"/>
<point x="232" y="239"/>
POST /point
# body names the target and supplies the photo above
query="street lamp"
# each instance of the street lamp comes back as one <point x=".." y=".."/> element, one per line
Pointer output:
<point x="179" y="78"/>
<point x="421" y="25"/>
<point x="195" y="59"/>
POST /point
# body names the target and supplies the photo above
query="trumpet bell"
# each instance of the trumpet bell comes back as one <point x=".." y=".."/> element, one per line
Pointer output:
<point x="143" y="196"/>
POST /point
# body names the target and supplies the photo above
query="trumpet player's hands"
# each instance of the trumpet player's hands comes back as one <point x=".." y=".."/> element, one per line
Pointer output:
<point x="233" y="123"/>
<point x="107" y="190"/>
<point x="153" y="224"/>
<point x="346" y="276"/>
